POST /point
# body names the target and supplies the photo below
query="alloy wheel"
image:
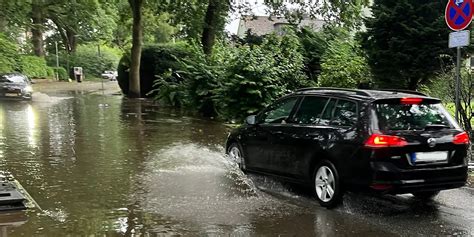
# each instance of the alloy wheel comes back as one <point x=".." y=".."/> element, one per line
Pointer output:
<point x="235" y="155"/>
<point x="325" y="184"/>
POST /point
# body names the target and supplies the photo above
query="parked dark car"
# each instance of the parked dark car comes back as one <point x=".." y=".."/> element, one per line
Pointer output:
<point x="15" y="86"/>
<point x="339" y="139"/>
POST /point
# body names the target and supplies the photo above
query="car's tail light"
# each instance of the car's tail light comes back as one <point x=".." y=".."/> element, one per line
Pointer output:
<point x="411" y="101"/>
<point x="461" y="138"/>
<point x="379" y="140"/>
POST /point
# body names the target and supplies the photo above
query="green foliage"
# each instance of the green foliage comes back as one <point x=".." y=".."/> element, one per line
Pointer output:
<point x="8" y="53"/>
<point x="156" y="60"/>
<point x="235" y="82"/>
<point x="87" y="57"/>
<point x="443" y="87"/>
<point x="314" y="45"/>
<point x="33" y="67"/>
<point x="123" y="73"/>
<point x="343" y="65"/>
<point x="404" y="42"/>
<point x="62" y="73"/>
<point x="191" y="84"/>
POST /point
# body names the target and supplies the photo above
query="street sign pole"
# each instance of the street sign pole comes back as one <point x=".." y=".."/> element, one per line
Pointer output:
<point x="458" y="15"/>
<point x="458" y="82"/>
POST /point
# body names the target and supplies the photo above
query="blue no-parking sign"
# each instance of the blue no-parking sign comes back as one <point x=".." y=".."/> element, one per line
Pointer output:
<point x="459" y="13"/>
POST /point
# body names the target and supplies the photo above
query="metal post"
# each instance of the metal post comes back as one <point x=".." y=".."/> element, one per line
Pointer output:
<point x="458" y="83"/>
<point x="100" y="57"/>
<point x="57" y="60"/>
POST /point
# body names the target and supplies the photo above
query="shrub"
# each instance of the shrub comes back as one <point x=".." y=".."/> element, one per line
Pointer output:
<point x="257" y="75"/>
<point x="33" y="67"/>
<point x="123" y="76"/>
<point x="343" y="65"/>
<point x="192" y="81"/>
<point x="87" y="57"/>
<point x="62" y="73"/>
<point x="235" y="82"/>
<point x="156" y="60"/>
<point x="8" y="53"/>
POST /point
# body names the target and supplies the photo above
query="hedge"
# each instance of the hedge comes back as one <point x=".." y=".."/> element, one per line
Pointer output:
<point x="34" y="67"/>
<point x="156" y="60"/>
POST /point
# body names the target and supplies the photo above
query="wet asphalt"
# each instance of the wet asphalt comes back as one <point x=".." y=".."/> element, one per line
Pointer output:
<point x="102" y="165"/>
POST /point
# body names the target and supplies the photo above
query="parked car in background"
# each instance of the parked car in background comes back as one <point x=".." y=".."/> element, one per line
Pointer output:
<point x="15" y="86"/>
<point x="111" y="75"/>
<point x="340" y="139"/>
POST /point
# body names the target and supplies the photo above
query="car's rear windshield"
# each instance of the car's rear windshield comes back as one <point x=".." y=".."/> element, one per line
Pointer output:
<point x="13" y="78"/>
<point x="397" y="116"/>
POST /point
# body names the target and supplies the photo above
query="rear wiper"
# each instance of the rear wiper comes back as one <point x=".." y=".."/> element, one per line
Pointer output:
<point x="436" y="126"/>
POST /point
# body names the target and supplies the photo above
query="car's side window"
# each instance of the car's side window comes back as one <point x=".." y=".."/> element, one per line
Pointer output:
<point x="310" y="110"/>
<point x="345" y="114"/>
<point x="327" y="114"/>
<point x="279" y="112"/>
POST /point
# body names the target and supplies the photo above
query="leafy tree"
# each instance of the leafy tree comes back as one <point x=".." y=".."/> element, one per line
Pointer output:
<point x="443" y="86"/>
<point x="344" y="65"/>
<point x="14" y="14"/>
<point x="204" y="20"/>
<point x="8" y="53"/>
<point x="314" y="45"/>
<point x="156" y="26"/>
<point x="404" y="42"/>
<point x="137" y="42"/>
<point x="81" y="20"/>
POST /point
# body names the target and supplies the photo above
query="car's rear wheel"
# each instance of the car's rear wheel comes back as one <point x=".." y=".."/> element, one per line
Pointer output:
<point x="426" y="196"/>
<point x="327" y="184"/>
<point x="235" y="154"/>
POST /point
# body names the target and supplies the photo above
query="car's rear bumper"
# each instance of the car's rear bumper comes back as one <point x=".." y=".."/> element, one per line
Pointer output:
<point x="389" y="178"/>
<point x="15" y="96"/>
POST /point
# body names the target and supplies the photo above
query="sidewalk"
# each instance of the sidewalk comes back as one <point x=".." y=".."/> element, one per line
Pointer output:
<point x="46" y="86"/>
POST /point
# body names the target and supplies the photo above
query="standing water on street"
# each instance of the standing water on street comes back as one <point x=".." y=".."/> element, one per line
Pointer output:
<point x="132" y="167"/>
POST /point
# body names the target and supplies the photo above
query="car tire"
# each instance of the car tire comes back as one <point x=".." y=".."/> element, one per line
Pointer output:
<point x="426" y="195"/>
<point x="235" y="154"/>
<point x="327" y="184"/>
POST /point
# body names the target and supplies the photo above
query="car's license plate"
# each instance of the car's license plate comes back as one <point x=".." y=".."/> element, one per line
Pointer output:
<point x="435" y="156"/>
<point x="11" y="94"/>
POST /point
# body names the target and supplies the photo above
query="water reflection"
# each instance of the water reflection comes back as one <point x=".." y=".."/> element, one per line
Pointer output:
<point x="134" y="168"/>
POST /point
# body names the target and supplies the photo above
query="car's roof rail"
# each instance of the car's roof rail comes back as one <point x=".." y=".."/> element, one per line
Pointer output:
<point x="404" y="91"/>
<point x="358" y="92"/>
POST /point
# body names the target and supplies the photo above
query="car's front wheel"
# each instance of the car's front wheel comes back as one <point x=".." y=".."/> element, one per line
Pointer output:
<point x="327" y="184"/>
<point x="235" y="154"/>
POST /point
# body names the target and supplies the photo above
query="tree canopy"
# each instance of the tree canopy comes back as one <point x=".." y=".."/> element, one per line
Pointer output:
<point x="406" y="41"/>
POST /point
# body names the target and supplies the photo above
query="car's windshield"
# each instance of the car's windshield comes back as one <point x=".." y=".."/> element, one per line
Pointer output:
<point x="13" y="78"/>
<point x="412" y="116"/>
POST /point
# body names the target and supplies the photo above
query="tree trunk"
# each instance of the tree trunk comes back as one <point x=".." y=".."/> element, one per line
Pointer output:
<point x="137" y="35"/>
<point x="211" y="24"/>
<point x="71" y="40"/>
<point x="38" y="20"/>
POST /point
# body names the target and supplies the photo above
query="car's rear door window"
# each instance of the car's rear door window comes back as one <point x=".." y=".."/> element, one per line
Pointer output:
<point x="310" y="110"/>
<point x="279" y="112"/>
<point x="328" y="111"/>
<point x="345" y="114"/>
<point x="396" y="116"/>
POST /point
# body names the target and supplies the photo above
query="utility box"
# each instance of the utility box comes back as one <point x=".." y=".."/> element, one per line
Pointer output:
<point x="78" y="74"/>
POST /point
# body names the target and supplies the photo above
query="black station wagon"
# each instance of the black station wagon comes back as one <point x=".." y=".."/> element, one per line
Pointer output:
<point x="339" y="139"/>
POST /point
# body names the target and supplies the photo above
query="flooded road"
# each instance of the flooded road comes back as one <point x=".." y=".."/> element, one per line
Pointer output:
<point x="108" y="166"/>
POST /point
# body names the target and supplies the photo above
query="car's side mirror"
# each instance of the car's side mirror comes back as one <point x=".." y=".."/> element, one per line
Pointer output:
<point x="251" y="120"/>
